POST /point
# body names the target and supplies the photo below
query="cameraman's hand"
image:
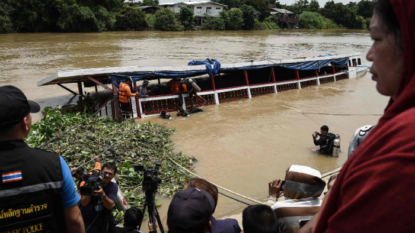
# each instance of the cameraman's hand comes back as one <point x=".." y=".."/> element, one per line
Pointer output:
<point x="73" y="170"/>
<point x="150" y="226"/>
<point x="98" y="193"/>
<point x="275" y="188"/>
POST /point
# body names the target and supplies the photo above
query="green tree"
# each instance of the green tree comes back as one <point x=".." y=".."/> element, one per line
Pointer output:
<point x="213" y="23"/>
<point x="187" y="18"/>
<point x="165" y="20"/>
<point x="301" y="6"/>
<point x="76" y="18"/>
<point x="130" y="18"/>
<point x="313" y="20"/>
<point x="259" y="5"/>
<point x="150" y="3"/>
<point x="6" y="25"/>
<point x="230" y="3"/>
<point x="365" y="8"/>
<point x="343" y="15"/>
<point x="268" y="23"/>
<point x="249" y="15"/>
<point x="314" y="6"/>
<point x="233" y="19"/>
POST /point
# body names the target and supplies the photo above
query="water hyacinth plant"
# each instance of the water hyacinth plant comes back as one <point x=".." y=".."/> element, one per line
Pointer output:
<point x="142" y="144"/>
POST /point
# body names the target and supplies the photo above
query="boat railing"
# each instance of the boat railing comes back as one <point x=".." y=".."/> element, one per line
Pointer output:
<point x="153" y="105"/>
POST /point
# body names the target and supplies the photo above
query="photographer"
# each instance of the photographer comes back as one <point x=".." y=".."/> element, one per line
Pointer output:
<point x="302" y="187"/>
<point x="323" y="140"/>
<point x="96" y="209"/>
<point x="78" y="173"/>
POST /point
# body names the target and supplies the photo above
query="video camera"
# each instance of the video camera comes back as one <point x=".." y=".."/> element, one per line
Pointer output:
<point x="151" y="183"/>
<point x="92" y="183"/>
<point x="151" y="180"/>
<point x="316" y="133"/>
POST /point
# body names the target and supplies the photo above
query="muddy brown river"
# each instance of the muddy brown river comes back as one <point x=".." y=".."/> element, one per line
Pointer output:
<point x="240" y="145"/>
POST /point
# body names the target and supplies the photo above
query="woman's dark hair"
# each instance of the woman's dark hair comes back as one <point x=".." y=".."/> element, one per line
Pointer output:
<point x="133" y="217"/>
<point x="386" y="14"/>
<point x="259" y="218"/>
<point x="204" y="185"/>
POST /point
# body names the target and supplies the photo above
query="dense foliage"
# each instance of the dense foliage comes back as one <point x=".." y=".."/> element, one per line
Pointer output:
<point x="61" y="15"/>
<point x="343" y="15"/>
<point x="99" y="15"/>
<point x="143" y="144"/>
<point x="130" y="18"/>
<point x="233" y="19"/>
<point x="187" y="18"/>
<point x="268" y="24"/>
<point x="165" y="20"/>
<point x="313" y="20"/>
<point x="213" y="23"/>
<point x="249" y="15"/>
<point x="314" y="6"/>
<point x="6" y="25"/>
<point x="260" y="5"/>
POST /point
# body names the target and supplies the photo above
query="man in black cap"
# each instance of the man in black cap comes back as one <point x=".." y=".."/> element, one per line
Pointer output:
<point x="190" y="211"/>
<point x="37" y="192"/>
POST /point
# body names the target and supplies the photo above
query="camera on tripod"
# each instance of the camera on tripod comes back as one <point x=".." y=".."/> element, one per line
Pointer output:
<point x="92" y="183"/>
<point x="151" y="180"/>
<point x="151" y="183"/>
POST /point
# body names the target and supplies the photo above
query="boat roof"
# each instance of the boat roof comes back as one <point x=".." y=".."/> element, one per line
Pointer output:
<point x="100" y="74"/>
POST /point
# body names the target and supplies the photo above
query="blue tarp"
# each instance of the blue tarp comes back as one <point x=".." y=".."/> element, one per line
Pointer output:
<point x="208" y="62"/>
<point x="137" y="76"/>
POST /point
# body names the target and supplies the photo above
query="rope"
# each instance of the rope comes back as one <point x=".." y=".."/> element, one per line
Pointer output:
<point x="67" y="131"/>
<point x="330" y="174"/>
<point x="237" y="194"/>
<point x="208" y="181"/>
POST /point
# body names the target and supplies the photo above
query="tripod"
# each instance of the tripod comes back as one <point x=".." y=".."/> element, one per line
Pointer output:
<point x="153" y="214"/>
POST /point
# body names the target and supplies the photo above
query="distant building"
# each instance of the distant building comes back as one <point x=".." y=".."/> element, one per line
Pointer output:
<point x="149" y="9"/>
<point x="201" y="9"/>
<point x="285" y="18"/>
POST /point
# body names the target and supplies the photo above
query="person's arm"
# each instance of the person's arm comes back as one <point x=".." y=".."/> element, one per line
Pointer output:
<point x="109" y="199"/>
<point x="70" y="199"/>
<point x="129" y="94"/>
<point x="317" y="142"/>
<point x="73" y="220"/>
<point x="85" y="200"/>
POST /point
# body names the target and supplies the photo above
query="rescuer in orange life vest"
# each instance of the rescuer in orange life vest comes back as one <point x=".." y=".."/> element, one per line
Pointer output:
<point x="124" y="94"/>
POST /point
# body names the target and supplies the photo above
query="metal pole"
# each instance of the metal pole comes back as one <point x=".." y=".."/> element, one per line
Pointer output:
<point x="137" y="103"/>
<point x="247" y="83"/>
<point x="80" y="91"/>
<point x="117" y="111"/>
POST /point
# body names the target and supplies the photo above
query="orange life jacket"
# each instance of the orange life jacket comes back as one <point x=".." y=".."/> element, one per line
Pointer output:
<point x="175" y="88"/>
<point x="123" y="93"/>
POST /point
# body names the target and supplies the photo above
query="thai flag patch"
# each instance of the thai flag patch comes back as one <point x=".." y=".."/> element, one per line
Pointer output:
<point x="12" y="176"/>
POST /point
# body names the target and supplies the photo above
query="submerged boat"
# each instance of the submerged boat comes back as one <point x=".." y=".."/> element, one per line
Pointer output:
<point x="220" y="83"/>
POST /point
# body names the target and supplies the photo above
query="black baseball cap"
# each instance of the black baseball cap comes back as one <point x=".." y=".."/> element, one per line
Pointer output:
<point x="14" y="106"/>
<point x="190" y="211"/>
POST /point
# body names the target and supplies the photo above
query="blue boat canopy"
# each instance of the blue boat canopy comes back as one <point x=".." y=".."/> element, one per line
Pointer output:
<point x="308" y="65"/>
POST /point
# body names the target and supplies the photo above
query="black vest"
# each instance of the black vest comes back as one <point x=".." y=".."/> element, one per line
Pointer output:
<point x="30" y="189"/>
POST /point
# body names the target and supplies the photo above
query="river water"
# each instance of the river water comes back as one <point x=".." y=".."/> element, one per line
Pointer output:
<point x="240" y="145"/>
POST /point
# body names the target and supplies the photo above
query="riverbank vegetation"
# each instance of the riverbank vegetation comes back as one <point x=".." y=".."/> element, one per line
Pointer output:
<point x="142" y="144"/>
<point x="99" y="16"/>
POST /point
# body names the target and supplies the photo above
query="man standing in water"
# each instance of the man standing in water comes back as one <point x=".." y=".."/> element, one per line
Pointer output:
<point x="324" y="141"/>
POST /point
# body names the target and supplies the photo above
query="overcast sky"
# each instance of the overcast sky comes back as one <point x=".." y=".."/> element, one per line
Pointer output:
<point x="289" y="2"/>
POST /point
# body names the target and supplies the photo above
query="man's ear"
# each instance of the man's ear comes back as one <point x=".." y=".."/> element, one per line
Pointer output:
<point x="209" y="227"/>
